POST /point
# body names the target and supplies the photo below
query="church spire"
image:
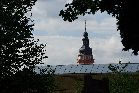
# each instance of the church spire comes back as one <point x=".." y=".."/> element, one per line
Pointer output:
<point x="85" y="52"/>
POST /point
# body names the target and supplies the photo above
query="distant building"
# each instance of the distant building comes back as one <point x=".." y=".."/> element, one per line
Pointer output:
<point x="85" y="56"/>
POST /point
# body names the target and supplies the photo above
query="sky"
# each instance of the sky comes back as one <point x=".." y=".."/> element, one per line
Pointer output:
<point x="64" y="38"/>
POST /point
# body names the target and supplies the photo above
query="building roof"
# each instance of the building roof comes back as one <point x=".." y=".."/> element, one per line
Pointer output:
<point x="94" y="68"/>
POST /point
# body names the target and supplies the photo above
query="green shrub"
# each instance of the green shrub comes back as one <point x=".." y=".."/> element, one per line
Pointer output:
<point x="121" y="82"/>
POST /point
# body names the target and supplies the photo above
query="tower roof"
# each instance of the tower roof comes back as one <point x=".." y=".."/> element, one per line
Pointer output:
<point x="85" y="49"/>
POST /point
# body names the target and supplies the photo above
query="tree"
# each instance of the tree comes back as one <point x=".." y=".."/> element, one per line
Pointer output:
<point x="18" y="48"/>
<point x="26" y="81"/>
<point x="122" y="81"/>
<point x="125" y="11"/>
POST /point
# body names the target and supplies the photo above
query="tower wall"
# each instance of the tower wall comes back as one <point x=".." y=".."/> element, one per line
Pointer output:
<point x="85" y="59"/>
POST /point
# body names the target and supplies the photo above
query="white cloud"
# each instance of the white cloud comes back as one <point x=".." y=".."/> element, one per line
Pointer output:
<point x="60" y="49"/>
<point x="48" y="21"/>
<point x="69" y="1"/>
<point x="64" y="50"/>
<point x="55" y="26"/>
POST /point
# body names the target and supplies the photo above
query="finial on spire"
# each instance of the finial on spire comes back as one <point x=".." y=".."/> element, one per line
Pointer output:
<point x="85" y="25"/>
<point x="85" y="34"/>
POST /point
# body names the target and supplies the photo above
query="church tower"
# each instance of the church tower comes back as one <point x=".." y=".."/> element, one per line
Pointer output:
<point x="85" y="52"/>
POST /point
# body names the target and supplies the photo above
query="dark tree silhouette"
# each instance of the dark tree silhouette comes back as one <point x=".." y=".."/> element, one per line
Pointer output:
<point x="17" y="45"/>
<point x="125" y="11"/>
<point x="26" y="81"/>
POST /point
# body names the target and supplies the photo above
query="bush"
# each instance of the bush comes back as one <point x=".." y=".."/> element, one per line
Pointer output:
<point x="121" y="82"/>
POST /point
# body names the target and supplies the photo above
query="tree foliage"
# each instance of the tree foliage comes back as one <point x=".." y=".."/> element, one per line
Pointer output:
<point x="26" y="81"/>
<point x="125" y="11"/>
<point x="17" y="45"/>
